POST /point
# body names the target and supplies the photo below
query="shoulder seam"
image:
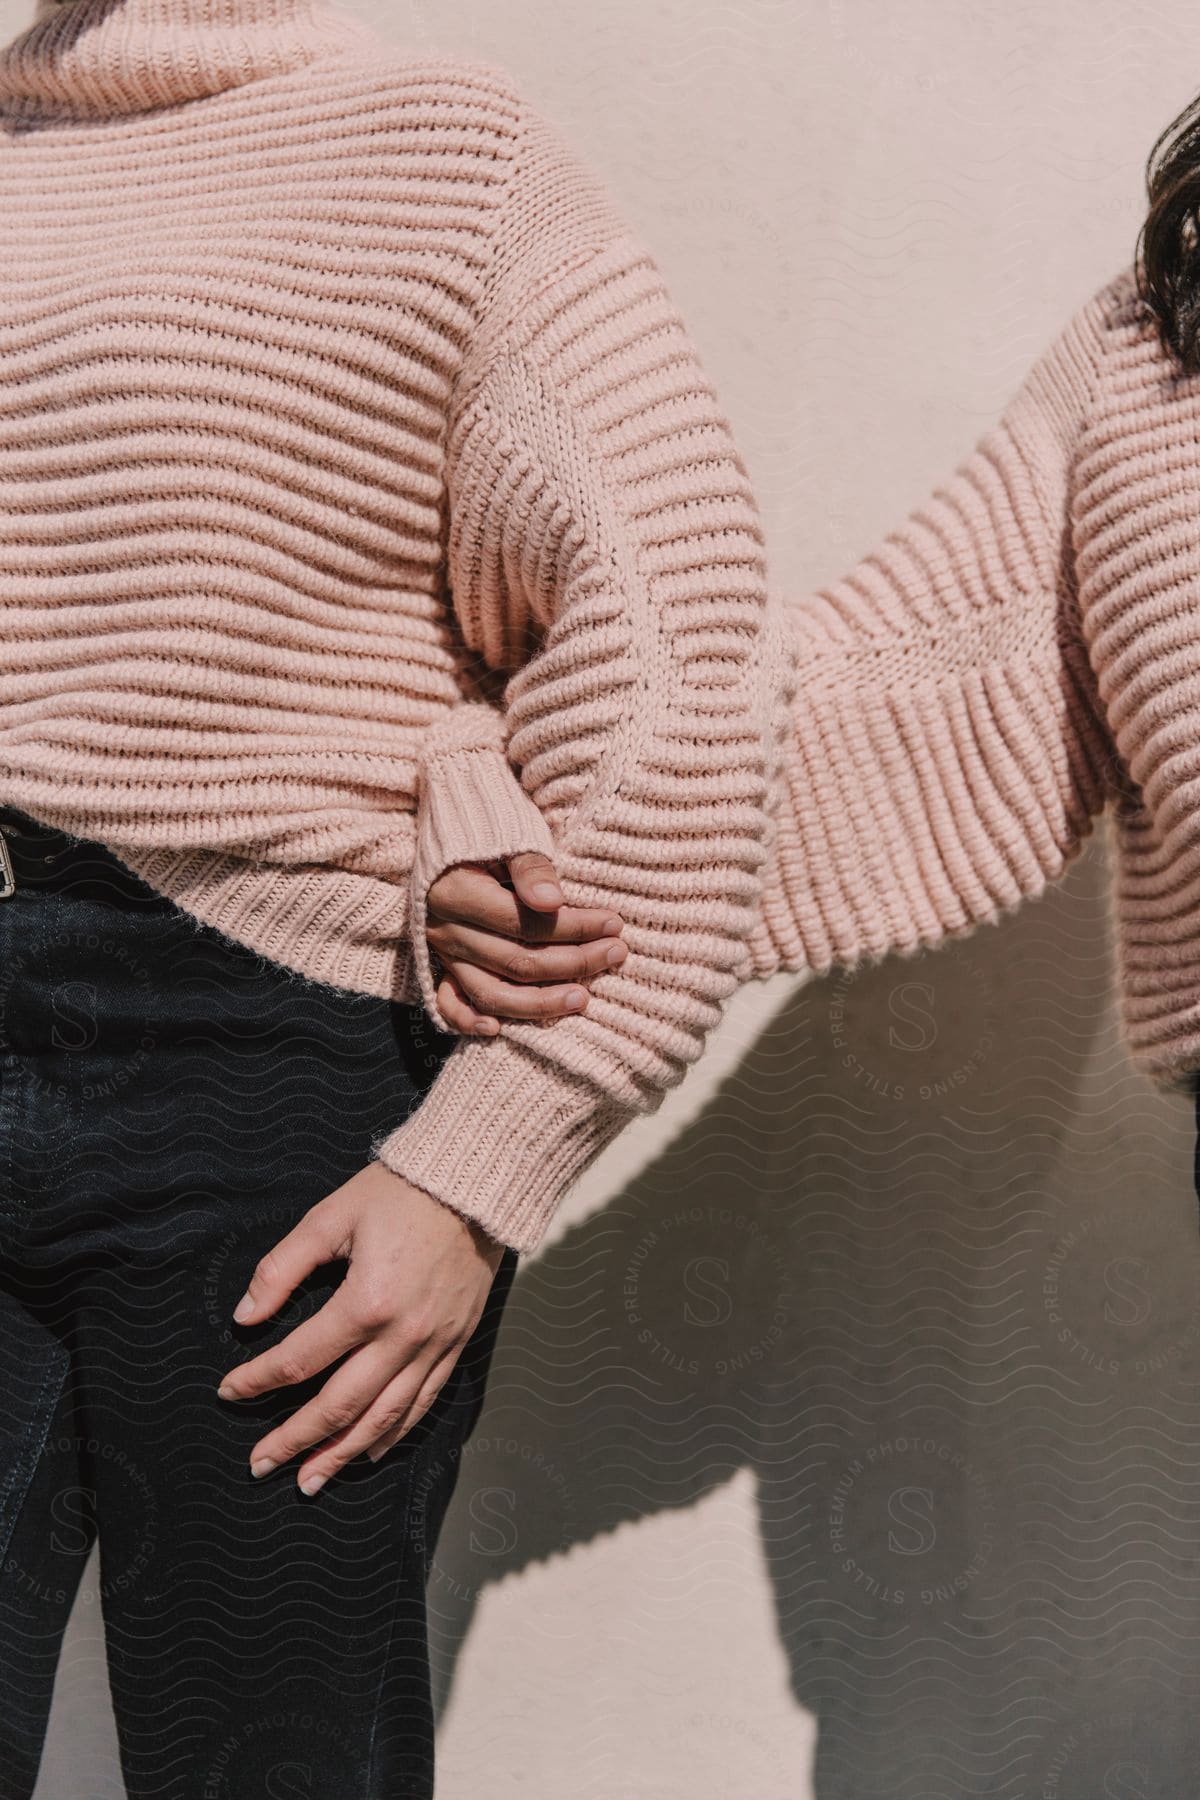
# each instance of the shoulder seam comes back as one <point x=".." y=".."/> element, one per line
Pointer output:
<point x="520" y="121"/>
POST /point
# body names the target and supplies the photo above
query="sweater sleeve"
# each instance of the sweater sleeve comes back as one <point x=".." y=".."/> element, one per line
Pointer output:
<point x="471" y="808"/>
<point x="606" y="555"/>
<point x="949" y="750"/>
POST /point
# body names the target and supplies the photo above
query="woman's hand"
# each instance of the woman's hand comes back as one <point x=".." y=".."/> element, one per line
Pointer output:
<point x="418" y="1279"/>
<point x="515" y="951"/>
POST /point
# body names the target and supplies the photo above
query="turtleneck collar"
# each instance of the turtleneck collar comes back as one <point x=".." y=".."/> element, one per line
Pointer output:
<point x="96" y="58"/>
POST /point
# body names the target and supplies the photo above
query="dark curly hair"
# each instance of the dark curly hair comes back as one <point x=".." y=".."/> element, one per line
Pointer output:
<point x="1168" y="247"/>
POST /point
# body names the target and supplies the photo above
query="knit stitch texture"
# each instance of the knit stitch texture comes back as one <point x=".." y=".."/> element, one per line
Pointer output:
<point x="352" y="446"/>
<point x="367" y="510"/>
<point x="1017" y="656"/>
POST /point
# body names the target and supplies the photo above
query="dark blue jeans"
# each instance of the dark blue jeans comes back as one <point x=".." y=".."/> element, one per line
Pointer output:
<point x="171" y="1104"/>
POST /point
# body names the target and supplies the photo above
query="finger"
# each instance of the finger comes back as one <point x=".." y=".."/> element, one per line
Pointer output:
<point x="489" y="994"/>
<point x="316" y="1239"/>
<point x="386" y="1416"/>
<point x="458" y="1012"/>
<point x="535" y="880"/>
<point x="501" y="999"/>
<point x="312" y="1346"/>
<point x="425" y="1398"/>
<point x="469" y="895"/>
<point x="342" y="1401"/>
<point x="524" y="963"/>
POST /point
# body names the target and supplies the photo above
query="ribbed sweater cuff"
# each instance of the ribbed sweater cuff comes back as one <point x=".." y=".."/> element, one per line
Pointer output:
<point x="472" y="809"/>
<point x="501" y="1136"/>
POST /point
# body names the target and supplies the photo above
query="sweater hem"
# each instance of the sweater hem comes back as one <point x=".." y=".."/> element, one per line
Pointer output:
<point x="332" y="926"/>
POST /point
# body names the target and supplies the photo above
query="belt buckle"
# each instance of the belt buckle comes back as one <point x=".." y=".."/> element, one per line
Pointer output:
<point x="8" y="879"/>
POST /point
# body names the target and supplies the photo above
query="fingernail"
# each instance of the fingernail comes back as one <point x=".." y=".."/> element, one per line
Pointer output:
<point x="610" y="927"/>
<point x="225" y="1392"/>
<point x="377" y="1451"/>
<point x="617" y="953"/>
<point x="574" y="999"/>
<point x="243" y="1309"/>
<point x="546" y="890"/>
<point x="262" y="1467"/>
<point x="311" y="1483"/>
<point x="488" y="1027"/>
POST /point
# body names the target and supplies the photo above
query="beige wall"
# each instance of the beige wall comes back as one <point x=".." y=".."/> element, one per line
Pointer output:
<point x="844" y="1440"/>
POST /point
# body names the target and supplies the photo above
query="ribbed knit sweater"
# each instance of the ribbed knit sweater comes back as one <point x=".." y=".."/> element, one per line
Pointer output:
<point x="1019" y="654"/>
<point x="350" y="445"/>
<point x="364" y="509"/>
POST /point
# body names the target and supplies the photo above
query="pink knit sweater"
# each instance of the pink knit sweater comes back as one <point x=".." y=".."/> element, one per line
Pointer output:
<point x="350" y="437"/>
<point x="1020" y="653"/>
<point x="364" y="509"/>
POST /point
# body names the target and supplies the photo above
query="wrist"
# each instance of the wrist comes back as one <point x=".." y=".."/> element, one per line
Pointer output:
<point x="490" y="1248"/>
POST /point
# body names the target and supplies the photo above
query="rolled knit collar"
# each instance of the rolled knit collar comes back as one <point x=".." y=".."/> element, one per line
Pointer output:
<point x="96" y="58"/>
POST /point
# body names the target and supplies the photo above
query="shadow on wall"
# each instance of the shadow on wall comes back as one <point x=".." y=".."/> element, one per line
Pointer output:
<point x="928" y="1266"/>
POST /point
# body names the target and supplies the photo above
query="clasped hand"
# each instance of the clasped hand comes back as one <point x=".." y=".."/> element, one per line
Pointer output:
<point x="418" y="1273"/>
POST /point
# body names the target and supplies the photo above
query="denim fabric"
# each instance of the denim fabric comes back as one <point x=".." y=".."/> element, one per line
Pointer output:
<point x="171" y="1103"/>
